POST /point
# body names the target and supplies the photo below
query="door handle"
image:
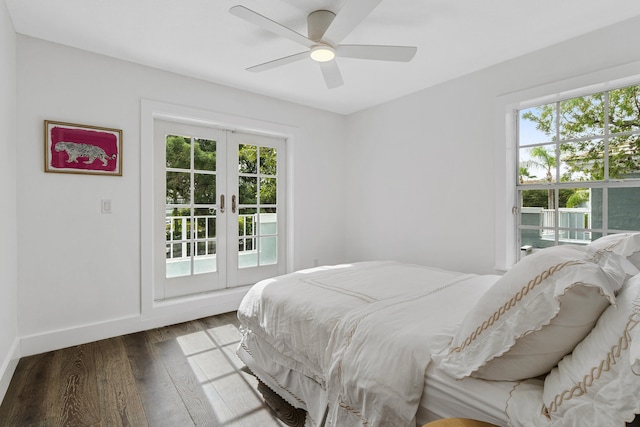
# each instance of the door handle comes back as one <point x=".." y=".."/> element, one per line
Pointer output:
<point x="233" y="204"/>
<point x="222" y="203"/>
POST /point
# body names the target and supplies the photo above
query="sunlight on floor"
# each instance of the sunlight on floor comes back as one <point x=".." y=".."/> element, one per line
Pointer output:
<point x="231" y="391"/>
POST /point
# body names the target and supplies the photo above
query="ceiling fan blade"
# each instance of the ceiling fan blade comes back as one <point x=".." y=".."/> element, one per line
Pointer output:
<point x="270" y="25"/>
<point x="351" y="14"/>
<point x="279" y="62"/>
<point x="331" y="74"/>
<point x="380" y="53"/>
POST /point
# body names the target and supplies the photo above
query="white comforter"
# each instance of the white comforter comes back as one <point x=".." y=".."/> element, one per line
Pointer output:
<point x="364" y="331"/>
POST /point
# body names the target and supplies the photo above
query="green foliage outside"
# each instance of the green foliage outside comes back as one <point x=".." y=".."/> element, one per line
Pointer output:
<point x="582" y="120"/>
<point x="583" y="117"/>
<point x="257" y="167"/>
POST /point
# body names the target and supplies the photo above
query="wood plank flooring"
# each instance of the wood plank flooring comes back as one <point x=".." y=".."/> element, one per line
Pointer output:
<point x="177" y="376"/>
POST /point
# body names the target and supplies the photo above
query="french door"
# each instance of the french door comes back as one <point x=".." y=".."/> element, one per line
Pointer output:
<point x="218" y="208"/>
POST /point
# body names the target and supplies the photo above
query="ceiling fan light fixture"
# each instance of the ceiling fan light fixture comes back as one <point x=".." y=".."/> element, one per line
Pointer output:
<point x="322" y="53"/>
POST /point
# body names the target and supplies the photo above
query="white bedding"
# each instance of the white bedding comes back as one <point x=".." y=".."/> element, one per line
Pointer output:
<point x="321" y="322"/>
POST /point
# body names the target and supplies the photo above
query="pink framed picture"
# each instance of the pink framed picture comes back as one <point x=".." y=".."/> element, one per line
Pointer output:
<point x="73" y="148"/>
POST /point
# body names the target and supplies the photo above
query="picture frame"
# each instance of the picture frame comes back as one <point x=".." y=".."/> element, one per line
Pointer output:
<point x="83" y="149"/>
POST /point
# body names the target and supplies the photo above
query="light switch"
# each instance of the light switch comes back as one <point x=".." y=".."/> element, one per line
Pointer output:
<point x="106" y="206"/>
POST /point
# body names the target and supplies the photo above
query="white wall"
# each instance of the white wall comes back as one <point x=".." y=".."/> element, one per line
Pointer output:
<point x="79" y="270"/>
<point x="421" y="176"/>
<point x="8" y="249"/>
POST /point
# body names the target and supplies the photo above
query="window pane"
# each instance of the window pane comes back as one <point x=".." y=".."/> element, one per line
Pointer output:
<point x="537" y="238"/>
<point x="204" y="188"/>
<point x="268" y="250"/>
<point x="178" y="152"/>
<point x="582" y="160"/>
<point x="248" y="190"/>
<point x="624" y="205"/>
<point x="624" y="109"/>
<point x="624" y="157"/>
<point x="247" y="158"/>
<point x="268" y="161"/>
<point x="204" y="155"/>
<point x="537" y="164"/>
<point x="268" y="191"/>
<point x="574" y="223"/>
<point x="537" y="125"/>
<point x="582" y="116"/>
<point x="178" y="188"/>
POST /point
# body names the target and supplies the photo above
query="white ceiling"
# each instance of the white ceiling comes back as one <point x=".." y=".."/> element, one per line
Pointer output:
<point x="200" y="38"/>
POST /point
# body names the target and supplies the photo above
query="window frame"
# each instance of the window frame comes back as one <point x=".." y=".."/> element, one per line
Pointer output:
<point x="506" y="109"/>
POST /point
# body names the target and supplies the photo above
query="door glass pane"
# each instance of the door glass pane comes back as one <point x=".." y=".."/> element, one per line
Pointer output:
<point x="178" y="188"/>
<point x="247" y="158"/>
<point x="191" y="230"/>
<point x="206" y="223"/>
<point x="268" y="222"/>
<point x="268" y="250"/>
<point x="268" y="191"/>
<point x="248" y="190"/>
<point x="204" y="155"/>
<point x="204" y="189"/>
<point x="205" y="259"/>
<point x="178" y="152"/>
<point x="268" y="162"/>
<point x="257" y="194"/>
<point x="247" y="241"/>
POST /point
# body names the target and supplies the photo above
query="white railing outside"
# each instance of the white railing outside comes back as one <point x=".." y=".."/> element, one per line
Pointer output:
<point x="247" y="237"/>
<point x="578" y="219"/>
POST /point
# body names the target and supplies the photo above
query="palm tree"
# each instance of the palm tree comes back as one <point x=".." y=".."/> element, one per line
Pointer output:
<point x="543" y="159"/>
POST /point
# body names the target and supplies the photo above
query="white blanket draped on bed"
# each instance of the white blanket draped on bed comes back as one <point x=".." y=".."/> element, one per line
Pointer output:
<point x="379" y="353"/>
<point x="364" y="331"/>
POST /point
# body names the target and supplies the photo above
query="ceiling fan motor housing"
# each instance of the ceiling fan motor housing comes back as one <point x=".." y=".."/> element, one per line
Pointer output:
<point x="318" y="22"/>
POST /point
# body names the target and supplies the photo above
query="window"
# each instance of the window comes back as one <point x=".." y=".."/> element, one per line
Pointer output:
<point x="578" y="168"/>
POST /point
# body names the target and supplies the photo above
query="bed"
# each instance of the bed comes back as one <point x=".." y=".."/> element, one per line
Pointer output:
<point x="382" y="343"/>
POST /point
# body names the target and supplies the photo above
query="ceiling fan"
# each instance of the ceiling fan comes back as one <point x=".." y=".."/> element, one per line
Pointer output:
<point x="325" y="31"/>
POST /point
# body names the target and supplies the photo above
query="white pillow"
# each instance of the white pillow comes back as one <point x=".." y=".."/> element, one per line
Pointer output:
<point x="625" y="244"/>
<point x="535" y="314"/>
<point x="596" y="382"/>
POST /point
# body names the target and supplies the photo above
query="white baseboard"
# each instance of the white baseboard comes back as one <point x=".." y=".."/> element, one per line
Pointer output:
<point x="8" y="367"/>
<point x="173" y="312"/>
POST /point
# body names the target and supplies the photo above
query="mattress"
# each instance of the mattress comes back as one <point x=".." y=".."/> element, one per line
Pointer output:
<point x="445" y="397"/>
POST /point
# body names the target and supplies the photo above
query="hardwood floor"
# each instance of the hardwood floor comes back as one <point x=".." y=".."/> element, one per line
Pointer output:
<point x="180" y="375"/>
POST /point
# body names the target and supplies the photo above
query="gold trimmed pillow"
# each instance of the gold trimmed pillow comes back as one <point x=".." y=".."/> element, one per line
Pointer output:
<point x="596" y="381"/>
<point x="625" y="244"/>
<point x="535" y="314"/>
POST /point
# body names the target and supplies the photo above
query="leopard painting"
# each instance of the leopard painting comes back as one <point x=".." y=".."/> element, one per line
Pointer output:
<point x="92" y="152"/>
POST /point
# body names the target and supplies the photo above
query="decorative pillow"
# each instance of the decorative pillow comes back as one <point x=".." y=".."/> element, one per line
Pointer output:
<point x="596" y="382"/>
<point x="535" y="314"/>
<point x="625" y="244"/>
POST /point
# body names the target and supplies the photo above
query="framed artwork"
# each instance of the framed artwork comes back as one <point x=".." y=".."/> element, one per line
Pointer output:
<point x="73" y="148"/>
